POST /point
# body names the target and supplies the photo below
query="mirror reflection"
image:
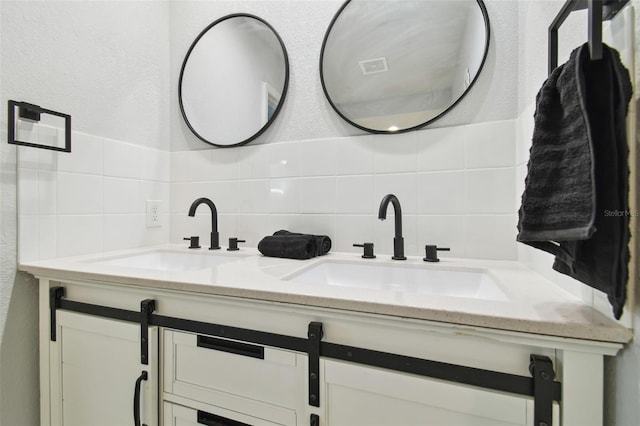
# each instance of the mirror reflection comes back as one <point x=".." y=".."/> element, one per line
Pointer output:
<point x="233" y="80"/>
<point x="397" y="65"/>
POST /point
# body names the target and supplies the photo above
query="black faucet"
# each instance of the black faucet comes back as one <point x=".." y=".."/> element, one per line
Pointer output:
<point x="398" y="241"/>
<point x="215" y="237"/>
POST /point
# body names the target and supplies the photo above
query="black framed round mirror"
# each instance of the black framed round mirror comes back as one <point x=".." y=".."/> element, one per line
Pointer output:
<point x="389" y="66"/>
<point x="234" y="80"/>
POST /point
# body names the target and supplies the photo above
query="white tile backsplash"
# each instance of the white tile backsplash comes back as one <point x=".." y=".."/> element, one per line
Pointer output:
<point x="91" y="199"/>
<point x="456" y="187"/>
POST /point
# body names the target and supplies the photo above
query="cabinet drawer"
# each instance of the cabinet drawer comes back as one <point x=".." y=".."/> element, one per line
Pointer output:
<point x="179" y="415"/>
<point x="210" y="369"/>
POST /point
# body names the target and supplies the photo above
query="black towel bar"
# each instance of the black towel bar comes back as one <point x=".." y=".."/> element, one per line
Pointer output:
<point x="599" y="10"/>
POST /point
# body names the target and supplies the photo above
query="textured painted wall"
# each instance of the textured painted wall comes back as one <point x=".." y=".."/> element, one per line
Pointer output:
<point x="306" y="113"/>
<point x="106" y="64"/>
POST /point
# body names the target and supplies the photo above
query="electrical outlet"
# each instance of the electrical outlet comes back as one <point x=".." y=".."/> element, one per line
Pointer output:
<point x="153" y="213"/>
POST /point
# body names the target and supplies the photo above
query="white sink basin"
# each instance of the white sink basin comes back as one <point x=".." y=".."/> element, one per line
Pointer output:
<point x="416" y="279"/>
<point x="167" y="260"/>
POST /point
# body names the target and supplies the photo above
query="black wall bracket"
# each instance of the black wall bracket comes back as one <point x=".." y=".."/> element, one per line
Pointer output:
<point x="314" y="334"/>
<point x="32" y="112"/>
<point x="599" y="10"/>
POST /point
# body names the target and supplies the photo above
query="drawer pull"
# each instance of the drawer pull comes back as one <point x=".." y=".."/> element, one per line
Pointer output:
<point x="231" y="346"/>
<point x="209" y="419"/>
<point x="136" y="399"/>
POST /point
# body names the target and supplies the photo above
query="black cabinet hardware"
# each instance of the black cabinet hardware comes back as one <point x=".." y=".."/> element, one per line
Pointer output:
<point x="233" y="244"/>
<point x="368" y="250"/>
<point x="55" y="298"/>
<point x="314" y="420"/>
<point x="136" y="399"/>
<point x="541" y="386"/>
<point x="431" y="253"/>
<point x="209" y="419"/>
<point x="314" y="334"/>
<point x="194" y="242"/>
<point x="147" y="307"/>
<point x="541" y="368"/>
<point x="231" y="346"/>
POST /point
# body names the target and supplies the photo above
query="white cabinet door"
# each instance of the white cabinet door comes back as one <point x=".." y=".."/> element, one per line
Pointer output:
<point x="94" y="365"/>
<point x="359" y="395"/>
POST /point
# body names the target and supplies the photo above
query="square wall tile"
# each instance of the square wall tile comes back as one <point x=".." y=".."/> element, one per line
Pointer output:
<point x="316" y="157"/>
<point x="252" y="228"/>
<point x="27" y="157"/>
<point x="395" y="153"/>
<point x="48" y="160"/>
<point x="354" y="194"/>
<point x="318" y="195"/>
<point x="47" y="236"/>
<point x="285" y="159"/>
<point x="27" y="238"/>
<point x="353" y="229"/>
<point x="521" y="174"/>
<point x="121" y="159"/>
<point x="27" y="191"/>
<point x="354" y="155"/>
<point x="443" y="231"/>
<point x="123" y="231"/>
<point x="252" y="196"/>
<point x="491" y="191"/>
<point x="284" y="196"/>
<point x="403" y="186"/>
<point x="154" y="165"/>
<point x="47" y="192"/>
<point x="491" y="237"/>
<point x="442" y="193"/>
<point x="289" y="222"/>
<point x="179" y="166"/>
<point x="253" y="161"/>
<point x="318" y="224"/>
<point x="441" y="149"/>
<point x="122" y="196"/>
<point x="79" y="194"/>
<point x="152" y="190"/>
<point x="79" y="234"/>
<point x="213" y="165"/>
<point x="491" y="144"/>
<point x="86" y="155"/>
<point x="524" y="133"/>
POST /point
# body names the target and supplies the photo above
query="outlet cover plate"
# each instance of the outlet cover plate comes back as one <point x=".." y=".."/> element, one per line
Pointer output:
<point x="154" y="218"/>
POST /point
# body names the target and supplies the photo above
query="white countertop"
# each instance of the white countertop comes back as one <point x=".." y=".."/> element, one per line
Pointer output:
<point x="535" y="305"/>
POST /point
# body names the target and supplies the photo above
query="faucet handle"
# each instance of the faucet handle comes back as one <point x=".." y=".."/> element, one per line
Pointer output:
<point x="368" y="250"/>
<point x="194" y="242"/>
<point x="233" y="244"/>
<point x="431" y="252"/>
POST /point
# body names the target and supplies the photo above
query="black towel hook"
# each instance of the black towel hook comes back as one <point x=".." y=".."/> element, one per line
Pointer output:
<point x="599" y="10"/>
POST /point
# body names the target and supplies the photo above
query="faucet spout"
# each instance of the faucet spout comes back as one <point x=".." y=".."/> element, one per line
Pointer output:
<point x="398" y="240"/>
<point x="215" y="237"/>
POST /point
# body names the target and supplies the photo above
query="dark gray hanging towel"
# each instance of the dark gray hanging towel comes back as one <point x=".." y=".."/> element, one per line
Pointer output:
<point x="575" y="203"/>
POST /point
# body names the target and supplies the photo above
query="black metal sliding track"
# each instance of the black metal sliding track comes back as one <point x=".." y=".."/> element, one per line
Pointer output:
<point x="541" y="386"/>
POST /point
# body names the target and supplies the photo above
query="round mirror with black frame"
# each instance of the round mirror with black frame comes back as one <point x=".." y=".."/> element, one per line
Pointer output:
<point x="390" y="66"/>
<point x="234" y="80"/>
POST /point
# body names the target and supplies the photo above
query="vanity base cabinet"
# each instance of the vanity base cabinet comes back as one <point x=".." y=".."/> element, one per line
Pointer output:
<point x="94" y="369"/>
<point x="241" y="361"/>
<point x="368" y="396"/>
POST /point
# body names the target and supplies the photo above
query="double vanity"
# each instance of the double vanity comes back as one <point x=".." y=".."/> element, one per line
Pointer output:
<point x="174" y="336"/>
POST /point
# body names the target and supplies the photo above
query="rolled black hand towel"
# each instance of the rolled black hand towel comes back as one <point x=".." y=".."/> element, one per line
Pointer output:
<point x="289" y="246"/>
<point x="323" y="241"/>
